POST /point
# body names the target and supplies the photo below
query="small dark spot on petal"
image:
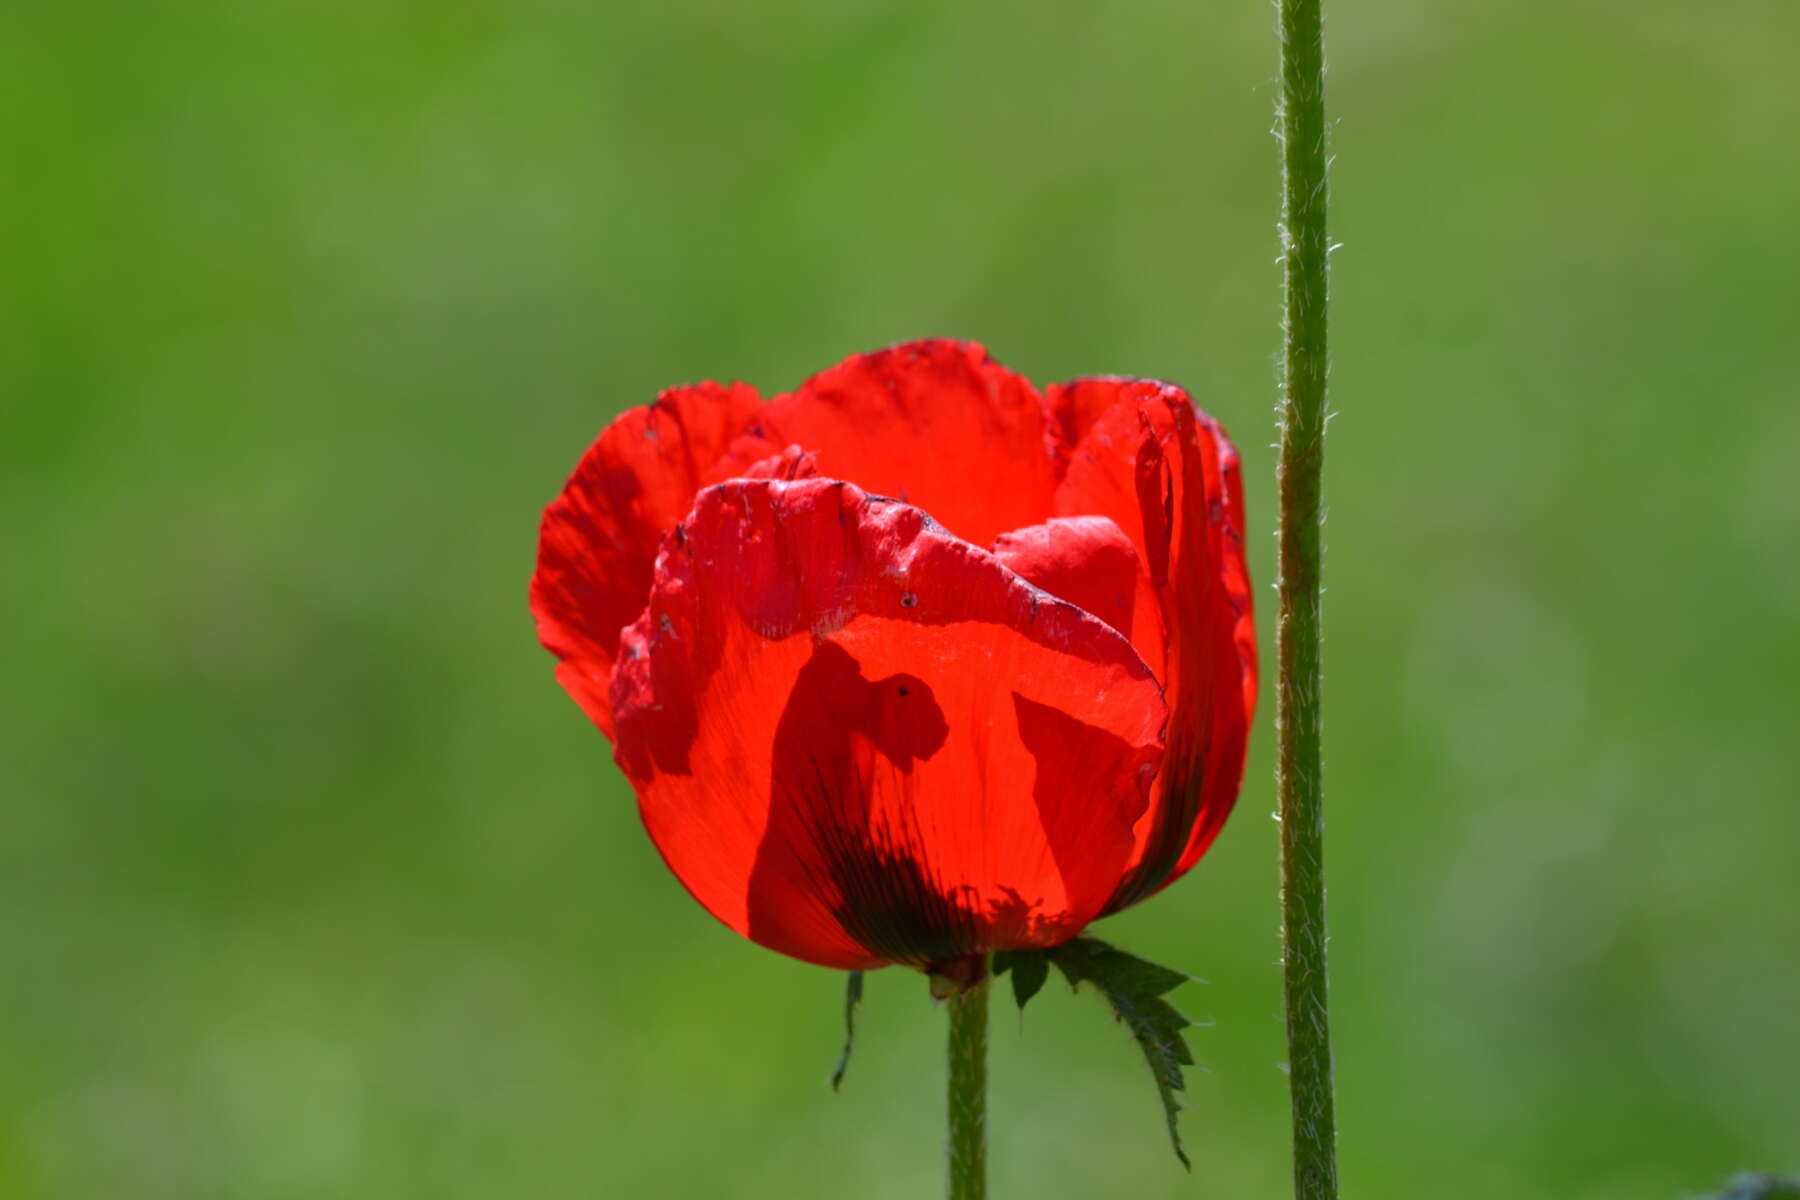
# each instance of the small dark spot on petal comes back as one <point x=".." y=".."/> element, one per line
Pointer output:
<point x="663" y="623"/>
<point x="908" y="600"/>
<point x="904" y="691"/>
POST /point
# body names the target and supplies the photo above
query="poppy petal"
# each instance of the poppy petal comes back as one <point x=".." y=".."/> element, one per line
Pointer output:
<point x="936" y="423"/>
<point x="1089" y="562"/>
<point x="1144" y="456"/>
<point x="792" y="463"/>
<point x="859" y="740"/>
<point x="597" y="545"/>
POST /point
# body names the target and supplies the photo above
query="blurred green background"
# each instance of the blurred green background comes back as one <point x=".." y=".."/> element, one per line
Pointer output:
<point x="314" y="884"/>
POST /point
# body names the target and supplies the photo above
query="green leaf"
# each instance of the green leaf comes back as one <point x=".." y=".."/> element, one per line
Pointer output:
<point x="852" y="997"/>
<point x="1096" y="960"/>
<point x="1029" y="970"/>
<point x="1134" y="989"/>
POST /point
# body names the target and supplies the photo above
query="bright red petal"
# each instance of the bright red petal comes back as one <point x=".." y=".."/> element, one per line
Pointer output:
<point x="1089" y="562"/>
<point x="859" y="740"/>
<point x="792" y="463"/>
<point x="937" y="424"/>
<point x="1142" y="455"/>
<point x="597" y="545"/>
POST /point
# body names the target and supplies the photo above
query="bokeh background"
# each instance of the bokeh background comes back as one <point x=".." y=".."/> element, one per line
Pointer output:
<point x="313" y="883"/>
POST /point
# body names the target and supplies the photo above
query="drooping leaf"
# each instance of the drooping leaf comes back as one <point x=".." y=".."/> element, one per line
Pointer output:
<point x="852" y="997"/>
<point x="1134" y="988"/>
<point x="1029" y="970"/>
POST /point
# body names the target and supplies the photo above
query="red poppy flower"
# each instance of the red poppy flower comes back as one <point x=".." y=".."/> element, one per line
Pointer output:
<point x="861" y="734"/>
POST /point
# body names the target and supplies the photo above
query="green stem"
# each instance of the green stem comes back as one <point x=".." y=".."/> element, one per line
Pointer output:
<point x="1298" y="774"/>
<point x="968" y="1093"/>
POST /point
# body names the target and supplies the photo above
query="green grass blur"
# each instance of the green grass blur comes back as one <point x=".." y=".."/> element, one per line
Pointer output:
<point x="314" y="885"/>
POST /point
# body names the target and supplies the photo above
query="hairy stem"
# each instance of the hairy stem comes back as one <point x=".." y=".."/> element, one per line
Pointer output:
<point x="1299" y="779"/>
<point x="968" y="1092"/>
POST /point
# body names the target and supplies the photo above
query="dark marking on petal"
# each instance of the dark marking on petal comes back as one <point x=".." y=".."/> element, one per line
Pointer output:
<point x="888" y="901"/>
<point x="1014" y="918"/>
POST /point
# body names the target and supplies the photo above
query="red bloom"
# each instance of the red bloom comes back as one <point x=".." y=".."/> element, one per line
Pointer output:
<point x="857" y="736"/>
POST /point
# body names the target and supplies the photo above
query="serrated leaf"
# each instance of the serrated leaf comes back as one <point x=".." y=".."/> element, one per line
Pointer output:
<point x="1134" y="988"/>
<point x="1095" y="959"/>
<point x="1135" y="975"/>
<point x="852" y="997"/>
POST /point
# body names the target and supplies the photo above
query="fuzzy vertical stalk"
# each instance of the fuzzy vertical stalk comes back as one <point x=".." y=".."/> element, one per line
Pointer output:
<point x="1299" y="779"/>
<point x="968" y="1092"/>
